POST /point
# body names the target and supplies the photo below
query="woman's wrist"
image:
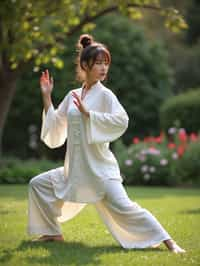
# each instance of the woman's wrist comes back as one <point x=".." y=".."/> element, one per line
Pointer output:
<point x="87" y="114"/>
<point x="46" y="96"/>
<point x="46" y="101"/>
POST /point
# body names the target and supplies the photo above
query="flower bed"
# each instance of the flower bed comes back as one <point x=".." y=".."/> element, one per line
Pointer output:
<point x="158" y="160"/>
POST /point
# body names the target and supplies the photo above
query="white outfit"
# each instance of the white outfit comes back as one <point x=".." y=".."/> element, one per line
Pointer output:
<point x="90" y="174"/>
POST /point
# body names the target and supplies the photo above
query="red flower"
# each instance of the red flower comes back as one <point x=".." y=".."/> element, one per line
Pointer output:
<point x="182" y="135"/>
<point x="171" y="145"/>
<point x="149" y="139"/>
<point x="136" y="140"/>
<point x="193" y="137"/>
<point x="180" y="150"/>
<point x="146" y="139"/>
<point x="158" y="139"/>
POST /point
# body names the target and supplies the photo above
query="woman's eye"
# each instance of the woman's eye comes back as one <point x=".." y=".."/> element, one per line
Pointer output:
<point x="101" y="62"/>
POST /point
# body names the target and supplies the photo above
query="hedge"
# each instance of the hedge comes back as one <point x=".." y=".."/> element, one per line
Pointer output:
<point x="182" y="110"/>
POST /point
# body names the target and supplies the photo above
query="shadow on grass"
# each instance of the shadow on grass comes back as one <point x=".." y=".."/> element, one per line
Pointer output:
<point x="66" y="253"/>
<point x="191" y="211"/>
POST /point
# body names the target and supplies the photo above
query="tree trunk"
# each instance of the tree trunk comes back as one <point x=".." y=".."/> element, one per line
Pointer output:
<point x="7" y="91"/>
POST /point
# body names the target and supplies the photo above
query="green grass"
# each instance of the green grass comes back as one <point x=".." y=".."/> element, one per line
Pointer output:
<point x="87" y="240"/>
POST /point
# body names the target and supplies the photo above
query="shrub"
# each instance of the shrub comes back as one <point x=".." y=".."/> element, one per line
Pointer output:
<point x="15" y="171"/>
<point x="155" y="160"/>
<point x="147" y="165"/>
<point x="183" y="109"/>
<point x="188" y="167"/>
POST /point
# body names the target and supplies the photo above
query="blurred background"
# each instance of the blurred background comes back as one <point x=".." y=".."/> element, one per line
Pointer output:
<point x="154" y="73"/>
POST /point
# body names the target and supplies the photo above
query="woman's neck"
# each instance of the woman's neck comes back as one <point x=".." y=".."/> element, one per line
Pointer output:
<point x="88" y="83"/>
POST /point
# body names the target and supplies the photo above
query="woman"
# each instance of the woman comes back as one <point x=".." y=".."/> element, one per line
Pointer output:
<point x="89" y="118"/>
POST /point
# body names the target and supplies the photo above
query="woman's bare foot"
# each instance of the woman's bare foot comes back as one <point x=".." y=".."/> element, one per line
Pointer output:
<point x="47" y="238"/>
<point x="172" y="246"/>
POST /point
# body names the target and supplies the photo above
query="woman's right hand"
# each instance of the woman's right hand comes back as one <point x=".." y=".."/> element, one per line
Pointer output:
<point x="46" y="83"/>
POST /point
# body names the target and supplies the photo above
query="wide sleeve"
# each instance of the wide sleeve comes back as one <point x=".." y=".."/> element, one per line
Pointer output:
<point x="54" y="124"/>
<point x="107" y="126"/>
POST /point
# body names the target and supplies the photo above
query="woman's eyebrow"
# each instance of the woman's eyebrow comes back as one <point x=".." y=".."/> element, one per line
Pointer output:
<point x="102" y="60"/>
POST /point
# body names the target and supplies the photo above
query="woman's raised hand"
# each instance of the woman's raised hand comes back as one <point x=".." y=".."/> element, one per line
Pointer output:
<point x="46" y="83"/>
<point x="78" y="102"/>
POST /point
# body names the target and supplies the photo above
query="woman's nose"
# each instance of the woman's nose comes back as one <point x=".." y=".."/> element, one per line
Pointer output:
<point x="104" y="67"/>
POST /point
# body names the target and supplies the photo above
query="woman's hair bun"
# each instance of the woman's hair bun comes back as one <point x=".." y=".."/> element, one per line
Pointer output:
<point x="86" y="40"/>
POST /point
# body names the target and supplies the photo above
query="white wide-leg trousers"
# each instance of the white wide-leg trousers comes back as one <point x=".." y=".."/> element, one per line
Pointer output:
<point x="131" y="225"/>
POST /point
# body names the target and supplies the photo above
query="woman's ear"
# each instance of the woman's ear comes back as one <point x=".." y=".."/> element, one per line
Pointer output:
<point x="85" y="66"/>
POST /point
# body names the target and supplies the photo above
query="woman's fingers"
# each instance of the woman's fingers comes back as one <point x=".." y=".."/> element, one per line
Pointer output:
<point x="77" y="104"/>
<point x="77" y="101"/>
<point x="45" y="78"/>
<point x="51" y="80"/>
<point x="42" y="76"/>
<point x="47" y="74"/>
<point x="76" y="96"/>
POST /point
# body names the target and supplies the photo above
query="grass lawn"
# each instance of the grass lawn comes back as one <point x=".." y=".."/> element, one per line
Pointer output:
<point x="87" y="240"/>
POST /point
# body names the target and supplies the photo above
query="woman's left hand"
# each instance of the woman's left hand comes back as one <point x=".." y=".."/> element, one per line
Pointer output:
<point x="78" y="102"/>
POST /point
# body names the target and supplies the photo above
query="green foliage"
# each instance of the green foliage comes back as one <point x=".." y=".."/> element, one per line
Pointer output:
<point x="139" y="74"/>
<point x="193" y="20"/>
<point x="184" y="48"/>
<point x="188" y="167"/>
<point x="173" y="21"/>
<point x="16" y="171"/>
<point x="34" y="34"/>
<point x="32" y="30"/>
<point x="26" y="110"/>
<point x="185" y="61"/>
<point x="182" y="110"/>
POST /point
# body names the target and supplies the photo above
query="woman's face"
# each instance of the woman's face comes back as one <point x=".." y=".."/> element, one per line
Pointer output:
<point x="99" y="70"/>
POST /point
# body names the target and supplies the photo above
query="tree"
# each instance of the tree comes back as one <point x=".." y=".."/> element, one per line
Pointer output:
<point x="33" y="33"/>
<point x="139" y="75"/>
<point x="193" y="19"/>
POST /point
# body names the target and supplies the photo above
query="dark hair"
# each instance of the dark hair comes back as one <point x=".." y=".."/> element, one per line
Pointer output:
<point x="88" y="51"/>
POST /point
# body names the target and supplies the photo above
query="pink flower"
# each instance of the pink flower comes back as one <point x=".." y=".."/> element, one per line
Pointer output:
<point x="172" y="130"/>
<point x="128" y="162"/>
<point x="163" y="162"/>
<point x="142" y="158"/>
<point x="175" y="156"/>
<point x="153" y="151"/>
<point x="144" y="168"/>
